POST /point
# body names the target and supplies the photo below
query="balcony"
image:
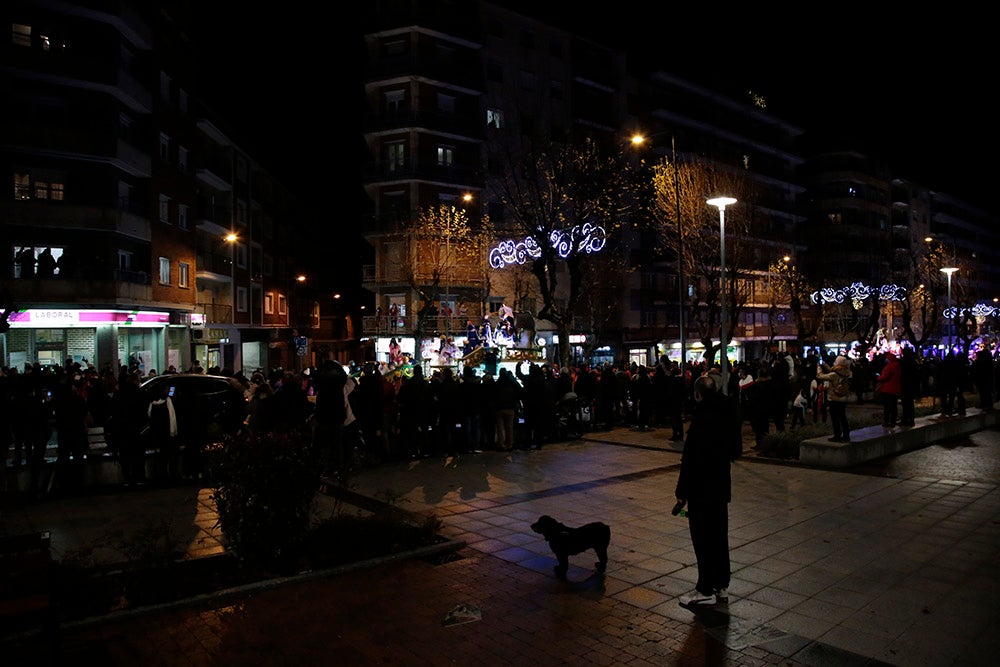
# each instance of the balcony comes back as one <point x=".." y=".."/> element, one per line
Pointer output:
<point x="468" y="125"/>
<point x="215" y="312"/>
<point x="465" y="72"/>
<point x="409" y="170"/>
<point x="89" y="287"/>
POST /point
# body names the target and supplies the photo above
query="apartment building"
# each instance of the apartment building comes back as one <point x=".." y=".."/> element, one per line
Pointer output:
<point x="124" y="189"/>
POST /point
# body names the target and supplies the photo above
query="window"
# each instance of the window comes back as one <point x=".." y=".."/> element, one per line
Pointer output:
<point x="527" y="80"/>
<point x="241" y="255"/>
<point x="394" y="101"/>
<point x="165" y="209"/>
<point x="241" y="299"/>
<point x="182" y="100"/>
<point x="494" y="118"/>
<point x="164" y="87"/>
<point x="556" y="50"/>
<point x="182" y="216"/>
<point x="395" y="155"/>
<point x="527" y="39"/>
<point x="164" y="148"/>
<point x="282" y="304"/>
<point x="446" y="103"/>
<point x="124" y="196"/>
<point x="241" y="212"/>
<point x="396" y="47"/>
<point x="22" y="186"/>
<point x="183" y="275"/>
<point x="182" y="159"/>
<point x="241" y="168"/>
<point x="445" y="156"/>
<point x="48" y="186"/>
<point x="125" y="260"/>
<point x="164" y="271"/>
<point x="21" y="34"/>
<point x="556" y="89"/>
<point x="269" y="303"/>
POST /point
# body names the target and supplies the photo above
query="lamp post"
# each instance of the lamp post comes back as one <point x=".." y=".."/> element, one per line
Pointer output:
<point x="721" y="203"/>
<point x="948" y="271"/>
<point x="231" y="239"/>
<point x="638" y="139"/>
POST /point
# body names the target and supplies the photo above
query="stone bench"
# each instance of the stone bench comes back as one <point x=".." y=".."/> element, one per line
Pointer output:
<point x="875" y="442"/>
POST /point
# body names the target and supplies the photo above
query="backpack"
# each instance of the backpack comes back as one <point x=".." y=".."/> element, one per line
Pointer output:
<point x="840" y="387"/>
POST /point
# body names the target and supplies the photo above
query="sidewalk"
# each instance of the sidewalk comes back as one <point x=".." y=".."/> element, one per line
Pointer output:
<point x="829" y="568"/>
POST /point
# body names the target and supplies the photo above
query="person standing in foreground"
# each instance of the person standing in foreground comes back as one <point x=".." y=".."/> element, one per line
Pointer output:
<point x="705" y="487"/>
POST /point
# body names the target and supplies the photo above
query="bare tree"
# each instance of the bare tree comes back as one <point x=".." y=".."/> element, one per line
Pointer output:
<point x="683" y="188"/>
<point x="566" y="200"/>
<point x="789" y="285"/>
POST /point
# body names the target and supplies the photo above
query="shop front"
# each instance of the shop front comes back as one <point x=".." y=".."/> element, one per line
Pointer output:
<point x="141" y="340"/>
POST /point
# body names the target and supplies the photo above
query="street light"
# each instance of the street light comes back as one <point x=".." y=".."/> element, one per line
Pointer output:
<point x="948" y="271"/>
<point x="721" y="203"/>
<point x="231" y="239"/>
<point x="638" y="140"/>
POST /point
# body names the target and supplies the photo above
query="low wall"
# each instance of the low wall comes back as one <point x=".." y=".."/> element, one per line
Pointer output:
<point x="875" y="442"/>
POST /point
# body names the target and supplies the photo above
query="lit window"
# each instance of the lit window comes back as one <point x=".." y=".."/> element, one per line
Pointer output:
<point x="395" y="155"/>
<point x="445" y="156"/>
<point x="22" y="186"/>
<point x="183" y="274"/>
<point x="56" y="191"/>
<point x="269" y="303"/>
<point x="21" y="34"/>
<point x="41" y="190"/>
<point x="282" y="304"/>
<point x="494" y="118"/>
<point x="164" y="271"/>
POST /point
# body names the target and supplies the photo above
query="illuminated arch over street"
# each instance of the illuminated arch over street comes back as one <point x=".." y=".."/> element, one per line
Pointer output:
<point x="585" y="238"/>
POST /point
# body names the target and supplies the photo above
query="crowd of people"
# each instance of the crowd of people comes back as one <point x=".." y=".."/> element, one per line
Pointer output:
<point x="363" y="413"/>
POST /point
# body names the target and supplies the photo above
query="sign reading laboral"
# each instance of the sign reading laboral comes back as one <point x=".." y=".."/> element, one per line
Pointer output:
<point x="36" y="318"/>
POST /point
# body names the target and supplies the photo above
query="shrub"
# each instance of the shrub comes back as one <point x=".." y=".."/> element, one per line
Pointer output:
<point x="264" y="486"/>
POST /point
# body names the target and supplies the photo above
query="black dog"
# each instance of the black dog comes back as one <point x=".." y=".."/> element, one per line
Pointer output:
<point x="566" y="541"/>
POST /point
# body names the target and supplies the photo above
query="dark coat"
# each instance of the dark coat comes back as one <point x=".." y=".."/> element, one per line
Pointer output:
<point x="713" y="443"/>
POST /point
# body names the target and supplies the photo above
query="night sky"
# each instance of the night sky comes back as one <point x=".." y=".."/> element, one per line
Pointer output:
<point x="915" y="86"/>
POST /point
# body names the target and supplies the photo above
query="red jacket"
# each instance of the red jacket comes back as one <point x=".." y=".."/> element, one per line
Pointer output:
<point x="890" y="380"/>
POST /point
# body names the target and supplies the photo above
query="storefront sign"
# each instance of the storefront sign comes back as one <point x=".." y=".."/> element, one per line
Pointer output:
<point x="85" y="318"/>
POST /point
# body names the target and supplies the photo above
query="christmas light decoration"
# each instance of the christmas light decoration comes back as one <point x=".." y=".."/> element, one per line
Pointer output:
<point x="586" y="238"/>
<point x="858" y="292"/>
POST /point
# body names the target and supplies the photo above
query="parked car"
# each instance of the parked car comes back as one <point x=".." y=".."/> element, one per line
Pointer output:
<point x="206" y="406"/>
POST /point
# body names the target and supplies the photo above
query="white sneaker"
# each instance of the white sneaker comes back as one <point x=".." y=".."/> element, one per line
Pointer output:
<point x="722" y="596"/>
<point x="695" y="598"/>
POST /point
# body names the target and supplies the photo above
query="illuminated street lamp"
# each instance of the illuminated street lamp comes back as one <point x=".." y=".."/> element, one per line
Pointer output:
<point x="948" y="271"/>
<point x="231" y="239"/>
<point x="638" y="140"/>
<point x="721" y="203"/>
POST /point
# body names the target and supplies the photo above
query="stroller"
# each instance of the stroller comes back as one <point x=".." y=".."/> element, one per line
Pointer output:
<point x="568" y="419"/>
